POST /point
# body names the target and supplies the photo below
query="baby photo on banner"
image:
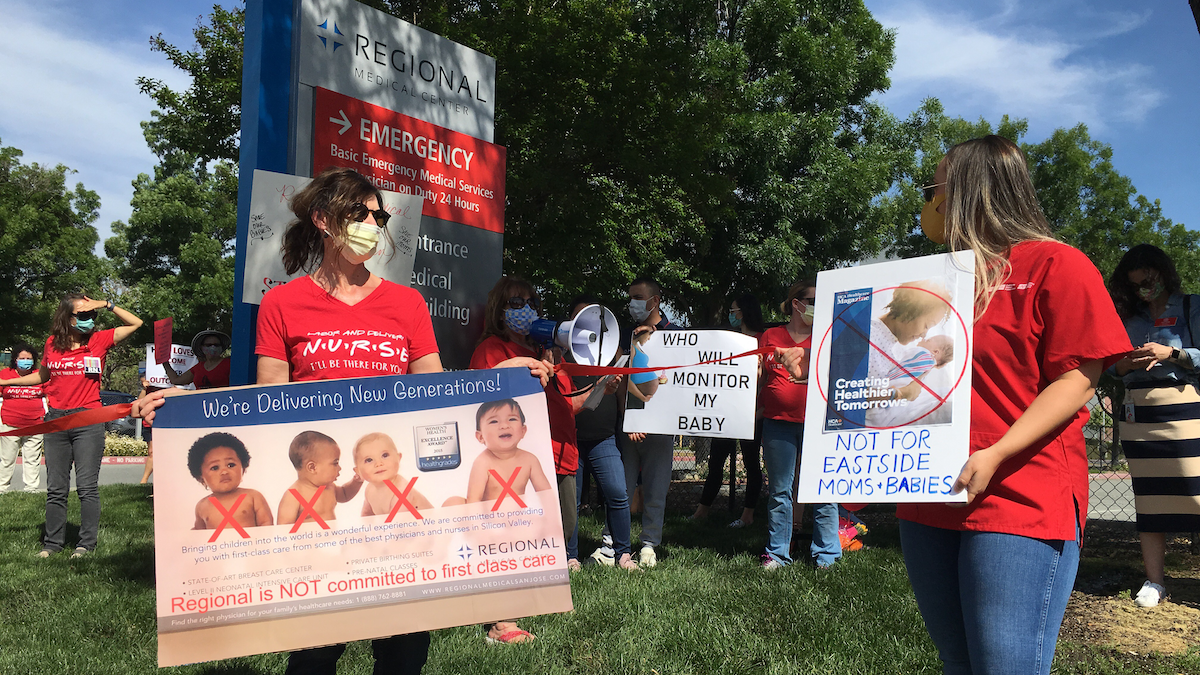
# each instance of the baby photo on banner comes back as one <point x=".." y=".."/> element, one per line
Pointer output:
<point x="888" y="405"/>
<point x="315" y="513"/>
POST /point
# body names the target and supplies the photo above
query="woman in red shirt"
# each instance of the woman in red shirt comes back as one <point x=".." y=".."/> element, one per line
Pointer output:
<point x="23" y="406"/>
<point x="782" y="400"/>
<point x="512" y="306"/>
<point x="72" y="364"/>
<point x="992" y="577"/>
<point x="212" y="371"/>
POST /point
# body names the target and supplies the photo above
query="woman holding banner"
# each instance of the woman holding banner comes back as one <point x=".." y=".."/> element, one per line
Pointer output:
<point x="72" y="364"/>
<point x="339" y="223"/>
<point x="23" y="407"/>
<point x="992" y="577"/>
<point x="783" y="399"/>
<point x="212" y="371"/>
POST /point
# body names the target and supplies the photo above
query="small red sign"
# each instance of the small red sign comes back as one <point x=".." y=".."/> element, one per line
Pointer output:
<point x="162" y="340"/>
<point x="460" y="177"/>
<point x="1165" y="321"/>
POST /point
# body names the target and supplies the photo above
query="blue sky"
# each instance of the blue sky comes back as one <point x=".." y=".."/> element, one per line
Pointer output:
<point x="1129" y="70"/>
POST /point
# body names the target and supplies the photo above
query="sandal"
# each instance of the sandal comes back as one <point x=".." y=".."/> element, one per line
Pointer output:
<point x="512" y="637"/>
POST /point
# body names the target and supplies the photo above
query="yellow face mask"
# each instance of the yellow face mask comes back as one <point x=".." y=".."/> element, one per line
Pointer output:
<point x="933" y="224"/>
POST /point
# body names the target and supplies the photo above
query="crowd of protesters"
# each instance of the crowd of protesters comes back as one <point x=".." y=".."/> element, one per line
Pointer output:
<point x="991" y="577"/>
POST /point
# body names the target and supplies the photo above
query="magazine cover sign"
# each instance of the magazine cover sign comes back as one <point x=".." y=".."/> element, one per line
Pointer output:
<point x="304" y="514"/>
<point x="889" y="397"/>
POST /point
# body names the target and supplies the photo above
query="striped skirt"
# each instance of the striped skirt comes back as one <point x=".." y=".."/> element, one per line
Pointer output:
<point x="1162" y="444"/>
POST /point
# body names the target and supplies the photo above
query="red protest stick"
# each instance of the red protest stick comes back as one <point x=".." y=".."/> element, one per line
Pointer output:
<point x="506" y="488"/>
<point x="83" y="418"/>
<point x="162" y="340"/>
<point x="308" y="509"/>
<point x="227" y="517"/>
<point x="402" y="500"/>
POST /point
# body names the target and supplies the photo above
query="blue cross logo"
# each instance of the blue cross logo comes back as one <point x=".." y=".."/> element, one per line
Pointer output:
<point x="325" y="26"/>
<point x="464" y="552"/>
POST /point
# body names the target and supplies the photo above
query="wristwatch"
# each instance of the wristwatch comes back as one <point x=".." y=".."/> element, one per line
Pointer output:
<point x="110" y="305"/>
<point x="1176" y="355"/>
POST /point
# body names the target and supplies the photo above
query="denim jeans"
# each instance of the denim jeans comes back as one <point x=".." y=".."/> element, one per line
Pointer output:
<point x="993" y="603"/>
<point x="82" y="447"/>
<point x="781" y="449"/>
<point x="653" y="458"/>
<point x="604" y="460"/>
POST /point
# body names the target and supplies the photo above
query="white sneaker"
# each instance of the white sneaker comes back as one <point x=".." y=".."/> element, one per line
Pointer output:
<point x="603" y="558"/>
<point x="647" y="558"/>
<point x="1150" y="595"/>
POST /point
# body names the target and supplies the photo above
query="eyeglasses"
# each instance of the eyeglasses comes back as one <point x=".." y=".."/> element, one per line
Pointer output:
<point x="85" y="315"/>
<point x="928" y="190"/>
<point x="1149" y="281"/>
<point x="518" y="303"/>
<point x="359" y="212"/>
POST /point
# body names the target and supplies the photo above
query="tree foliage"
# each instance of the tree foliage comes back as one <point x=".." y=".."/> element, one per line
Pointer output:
<point x="176" y="251"/>
<point x="46" y="245"/>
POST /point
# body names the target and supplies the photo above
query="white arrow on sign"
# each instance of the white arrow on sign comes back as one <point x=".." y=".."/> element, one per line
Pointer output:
<point x="344" y="121"/>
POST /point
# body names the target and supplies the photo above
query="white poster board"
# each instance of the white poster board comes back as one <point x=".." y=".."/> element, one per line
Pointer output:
<point x="715" y="400"/>
<point x="888" y="414"/>
<point x="182" y="360"/>
<point x="270" y="215"/>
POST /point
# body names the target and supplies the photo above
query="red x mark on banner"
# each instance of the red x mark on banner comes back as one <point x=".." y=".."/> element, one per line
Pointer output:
<point x="227" y="517"/>
<point x="506" y="488"/>
<point x="308" y="509"/>
<point x="402" y="499"/>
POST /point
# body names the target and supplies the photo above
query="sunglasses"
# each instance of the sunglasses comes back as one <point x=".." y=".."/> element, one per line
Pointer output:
<point x="211" y="344"/>
<point x="359" y="212"/>
<point x="84" y="316"/>
<point x="518" y="303"/>
<point x="928" y="190"/>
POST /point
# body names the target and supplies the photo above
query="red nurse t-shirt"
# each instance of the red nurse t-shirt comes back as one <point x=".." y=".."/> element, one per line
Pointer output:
<point x="782" y="399"/>
<point x="71" y="385"/>
<point x="204" y="378"/>
<point x="1051" y="315"/>
<point x="494" y="350"/>
<point x="22" y="405"/>
<point x="323" y="338"/>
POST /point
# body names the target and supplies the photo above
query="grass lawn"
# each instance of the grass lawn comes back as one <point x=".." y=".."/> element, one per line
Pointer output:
<point x="706" y="608"/>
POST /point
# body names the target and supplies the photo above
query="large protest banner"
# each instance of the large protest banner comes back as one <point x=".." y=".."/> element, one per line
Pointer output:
<point x="715" y="399"/>
<point x="888" y="412"/>
<point x="313" y="513"/>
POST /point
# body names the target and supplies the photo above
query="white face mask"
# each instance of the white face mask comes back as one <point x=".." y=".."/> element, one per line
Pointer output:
<point x="360" y="242"/>
<point x="637" y="310"/>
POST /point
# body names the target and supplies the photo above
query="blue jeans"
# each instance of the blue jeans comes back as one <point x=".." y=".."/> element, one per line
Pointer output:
<point x="993" y="603"/>
<point x="604" y="459"/>
<point x="781" y="448"/>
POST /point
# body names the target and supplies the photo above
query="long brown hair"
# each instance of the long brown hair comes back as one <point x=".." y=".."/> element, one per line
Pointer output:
<point x="332" y="193"/>
<point x="991" y="206"/>
<point x="1140" y="257"/>
<point x="60" y="325"/>
<point x="497" y="300"/>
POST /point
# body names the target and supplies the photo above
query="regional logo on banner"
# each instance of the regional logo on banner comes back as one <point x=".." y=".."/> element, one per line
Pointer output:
<point x="888" y="411"/>
<point x="714" y="399"/>
<point x="313" y="513"/>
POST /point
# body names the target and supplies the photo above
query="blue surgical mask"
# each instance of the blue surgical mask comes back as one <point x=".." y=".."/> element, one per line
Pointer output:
<point x="211" y="350"/>
<point x="25" y="364"/>
<point x="85" y="325"/>
<point x="521" y="320"/>
<point x="734" y="320"/>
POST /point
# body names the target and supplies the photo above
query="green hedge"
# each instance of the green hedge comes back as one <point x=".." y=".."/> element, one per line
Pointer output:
<point x="116" y="445"/>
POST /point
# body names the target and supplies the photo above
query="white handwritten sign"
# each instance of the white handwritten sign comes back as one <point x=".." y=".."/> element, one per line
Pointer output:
<point x="715" y="400"/>
<point x="888" y="412"/>
<point x="271" y="213"/>
<point x="182" y="360"/>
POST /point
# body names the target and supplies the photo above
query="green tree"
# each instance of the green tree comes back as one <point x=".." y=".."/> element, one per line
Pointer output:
<point x="720" y="146"/>
<point x="176" y="251"/>
<point x="47" y="244"/>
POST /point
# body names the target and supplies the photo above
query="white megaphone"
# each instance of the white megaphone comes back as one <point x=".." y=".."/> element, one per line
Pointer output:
<point x="592" y="338"/>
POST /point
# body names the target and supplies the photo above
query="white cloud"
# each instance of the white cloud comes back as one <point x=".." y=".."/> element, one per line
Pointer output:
<point x="69" y="98"/>
<point x="989" y="66"/>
